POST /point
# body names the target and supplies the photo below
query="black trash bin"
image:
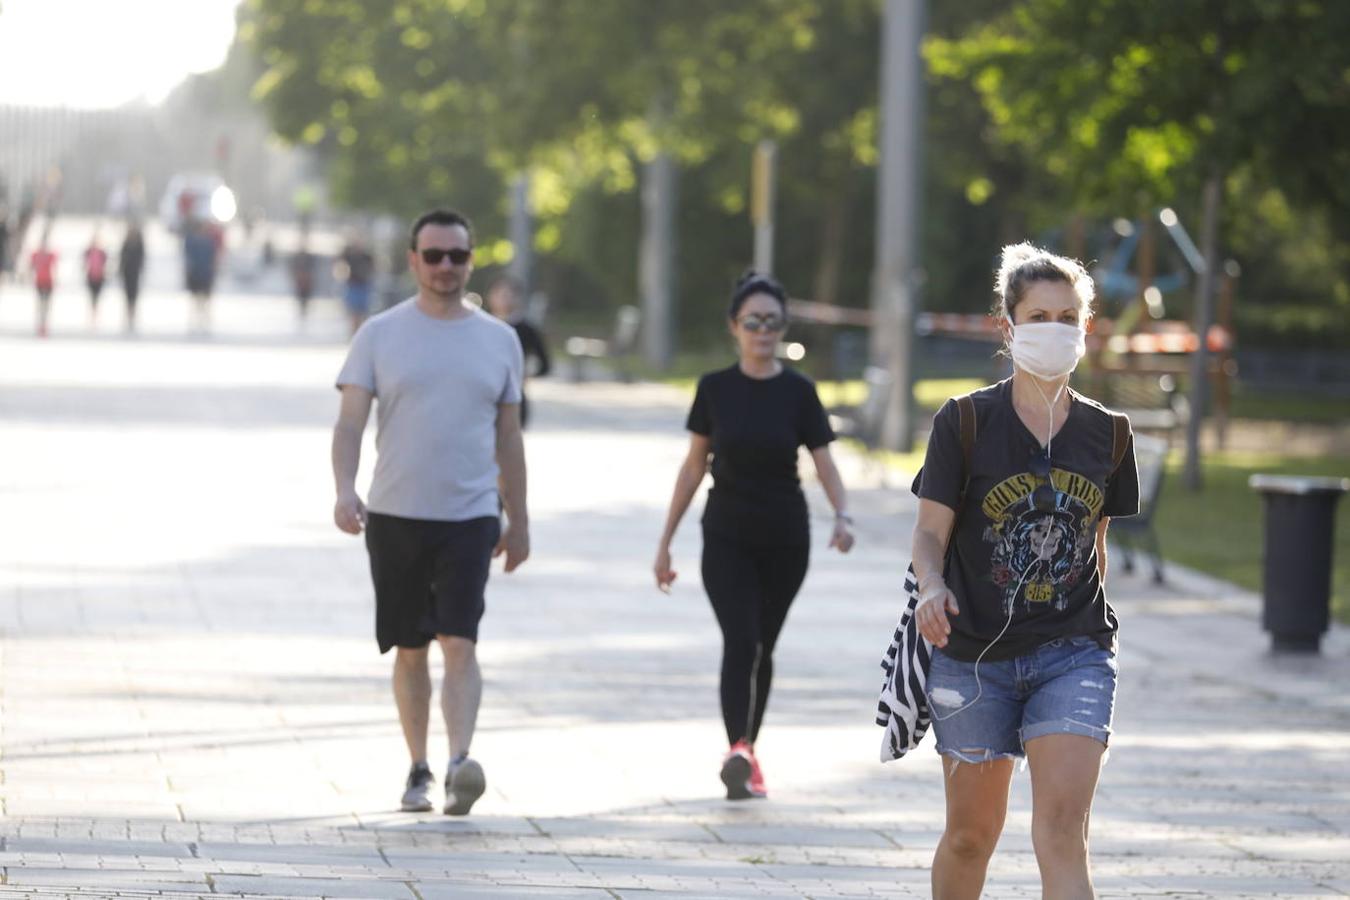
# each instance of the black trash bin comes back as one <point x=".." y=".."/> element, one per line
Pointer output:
<point x="1300" y="523"/>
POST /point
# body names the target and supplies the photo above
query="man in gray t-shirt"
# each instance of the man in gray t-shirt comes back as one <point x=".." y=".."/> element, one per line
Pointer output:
<point x="449" y="461"/>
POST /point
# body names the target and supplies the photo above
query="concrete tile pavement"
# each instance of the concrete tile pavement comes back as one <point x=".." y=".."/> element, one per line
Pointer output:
<point x="192" y="703"/>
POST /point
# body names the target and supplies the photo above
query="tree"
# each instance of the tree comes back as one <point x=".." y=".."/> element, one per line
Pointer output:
<point x="1133" y="103"/>
<point x="414" y="97"/>
<point x="395" y="123"/>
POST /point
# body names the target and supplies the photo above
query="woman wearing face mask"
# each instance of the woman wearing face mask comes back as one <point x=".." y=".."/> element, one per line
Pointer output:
<point x="748" y="420"/>
<point x="1010" y="557"/>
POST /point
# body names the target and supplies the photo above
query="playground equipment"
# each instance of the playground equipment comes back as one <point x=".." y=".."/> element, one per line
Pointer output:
<point x="1136" y="357"/>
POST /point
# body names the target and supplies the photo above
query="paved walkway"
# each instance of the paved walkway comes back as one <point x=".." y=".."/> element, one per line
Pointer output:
<point x="192" y="703"/>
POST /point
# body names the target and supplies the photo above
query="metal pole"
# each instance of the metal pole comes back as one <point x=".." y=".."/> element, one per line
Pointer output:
<point x="519" y="231"/>
<point x="763" y="190"/>
<point x="656" y="261"/>
<point x="1204" y="296"/>
<point x="895" y="277"/>
<point x="1223" y="390"/>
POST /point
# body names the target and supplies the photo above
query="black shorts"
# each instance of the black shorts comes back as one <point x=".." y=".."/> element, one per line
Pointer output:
<point x="429" y="577"/>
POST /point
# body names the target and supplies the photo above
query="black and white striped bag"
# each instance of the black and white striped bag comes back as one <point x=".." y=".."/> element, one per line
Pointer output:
<point x="903" y="706"/>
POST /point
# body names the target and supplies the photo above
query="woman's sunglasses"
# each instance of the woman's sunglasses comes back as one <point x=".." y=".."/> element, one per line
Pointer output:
<point x="432" y="256"/>
<point x="1043" y="498"/>
<point x="756" y="324"/>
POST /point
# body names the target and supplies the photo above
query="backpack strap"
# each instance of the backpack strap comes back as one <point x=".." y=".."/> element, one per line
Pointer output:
<point x="965" y="407"/>
<point x="1120" y="439"/>
<point x="969" y="428"/>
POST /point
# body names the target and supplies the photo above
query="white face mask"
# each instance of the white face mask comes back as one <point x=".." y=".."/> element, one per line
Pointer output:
<point x="1048" y="350"/>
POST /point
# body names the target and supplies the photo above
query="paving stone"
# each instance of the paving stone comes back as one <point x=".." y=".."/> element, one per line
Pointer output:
<point x="311" y="854"/>
<point x="425" y="862"/>
<point x="128" y="879"/>
<point x="107" y="847"/>
<point x="312" y="887"/>
<point x="430" y="890"/>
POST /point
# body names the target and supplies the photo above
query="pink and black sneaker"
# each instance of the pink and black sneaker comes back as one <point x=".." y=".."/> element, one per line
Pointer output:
<point x="756" y="784"/>
<point x="740" y="773"/>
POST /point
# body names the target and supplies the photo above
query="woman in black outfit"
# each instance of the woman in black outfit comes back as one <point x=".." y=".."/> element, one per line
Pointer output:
<point x="504" y="301"/>
<point x="749" y="420"/>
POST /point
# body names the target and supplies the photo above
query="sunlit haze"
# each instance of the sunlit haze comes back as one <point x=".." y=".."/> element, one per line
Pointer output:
<point x="87" y="54"/>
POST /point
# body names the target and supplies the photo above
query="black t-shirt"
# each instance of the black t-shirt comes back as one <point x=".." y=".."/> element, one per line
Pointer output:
<point x="755" y="426"/>
<point x="998" y="532"/>
<point x="533" y="346"/>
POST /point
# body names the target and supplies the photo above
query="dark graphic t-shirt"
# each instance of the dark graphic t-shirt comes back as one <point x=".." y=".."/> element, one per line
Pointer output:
<point x="755" y="426"/>
<point x="1006" y="556"/>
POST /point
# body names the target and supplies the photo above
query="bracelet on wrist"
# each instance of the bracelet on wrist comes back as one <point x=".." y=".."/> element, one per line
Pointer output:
<point x="843" y="517"/>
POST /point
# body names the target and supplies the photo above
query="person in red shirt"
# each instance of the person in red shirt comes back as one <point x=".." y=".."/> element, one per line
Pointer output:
<point x="43" y="265"/>
<point x="95" y="273"/>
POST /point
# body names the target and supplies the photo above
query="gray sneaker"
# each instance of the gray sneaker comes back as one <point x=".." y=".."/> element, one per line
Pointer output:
<point x="417" y="794"/>
<point x="464" y="784"/>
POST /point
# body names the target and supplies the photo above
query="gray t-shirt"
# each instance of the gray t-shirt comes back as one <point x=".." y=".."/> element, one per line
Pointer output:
<point x="437" y="384"/>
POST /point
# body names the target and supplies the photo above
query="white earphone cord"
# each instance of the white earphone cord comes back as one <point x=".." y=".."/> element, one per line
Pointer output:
<point x="979" y="687"/>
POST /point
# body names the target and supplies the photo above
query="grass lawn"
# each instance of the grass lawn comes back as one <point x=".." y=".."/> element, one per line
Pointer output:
<point x="929" y="393"/>
<point x="1306" y="407"/>
<point x="1220" y="530"/>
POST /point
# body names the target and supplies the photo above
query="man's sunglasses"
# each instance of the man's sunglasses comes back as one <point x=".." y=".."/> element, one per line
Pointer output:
<point x="1043" y="498"/>
<point x="755" y="324"/>
<point x="432" y="256"/>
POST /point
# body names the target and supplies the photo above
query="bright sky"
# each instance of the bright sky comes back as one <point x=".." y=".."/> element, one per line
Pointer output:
<point x="101" y="53"/>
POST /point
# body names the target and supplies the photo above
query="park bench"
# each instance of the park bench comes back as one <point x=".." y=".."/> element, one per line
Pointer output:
<point x="1136" y="533"/>
<point x="588" y="354"/>
<point x="863" y="422"/>
<point x="1149" y="397"/>
<point x="1157" y="410"/>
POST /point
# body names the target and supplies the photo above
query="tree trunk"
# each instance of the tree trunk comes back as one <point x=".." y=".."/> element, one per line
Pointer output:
<point x="1147" y="267"/>
<point x="656" y="261"/>
<point x="830" y="262"/>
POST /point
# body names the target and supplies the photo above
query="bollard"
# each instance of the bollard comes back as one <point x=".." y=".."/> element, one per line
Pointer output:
<point x="1300" y="523"/>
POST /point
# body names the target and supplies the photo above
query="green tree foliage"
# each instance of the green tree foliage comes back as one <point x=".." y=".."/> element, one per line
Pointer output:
<point x="1123" y="97"/>
<point x="1037" y="110"/>
<point x="1120" y="106"/>
<point x="359" y="81"/>
<point x="414" y="99"/>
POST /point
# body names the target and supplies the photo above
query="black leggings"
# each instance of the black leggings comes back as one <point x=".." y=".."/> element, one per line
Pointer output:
<point x="751" y="589"/>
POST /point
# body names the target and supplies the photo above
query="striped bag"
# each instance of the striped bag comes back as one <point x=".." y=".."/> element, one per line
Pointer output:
<point x="903" y="706"/>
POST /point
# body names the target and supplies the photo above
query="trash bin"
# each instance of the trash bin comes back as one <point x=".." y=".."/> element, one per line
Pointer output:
<point x="1300" y="521"/>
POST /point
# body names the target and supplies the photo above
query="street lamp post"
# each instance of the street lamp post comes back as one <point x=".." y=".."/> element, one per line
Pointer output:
<point x="895" y="276"/>
<point x="762" y="189"/>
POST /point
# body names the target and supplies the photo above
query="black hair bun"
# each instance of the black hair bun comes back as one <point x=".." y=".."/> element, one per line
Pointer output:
<point x="753" y="282"/>
<point x="747" y="277"/>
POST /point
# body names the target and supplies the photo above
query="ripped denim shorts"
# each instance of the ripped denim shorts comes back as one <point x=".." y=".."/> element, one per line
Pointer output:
<point x="1064" y="686"/>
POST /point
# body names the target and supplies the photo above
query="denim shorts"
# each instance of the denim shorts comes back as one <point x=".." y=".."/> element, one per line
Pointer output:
<point x="1065" y="686"/>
